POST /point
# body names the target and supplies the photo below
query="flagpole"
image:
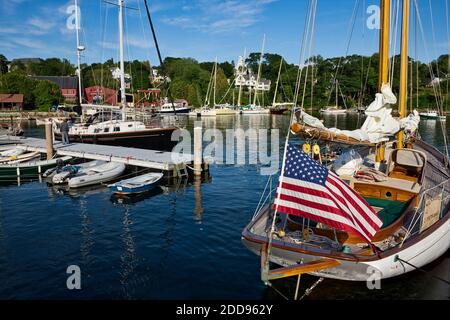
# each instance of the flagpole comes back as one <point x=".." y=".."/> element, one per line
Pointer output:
<point x="283" y="167"/>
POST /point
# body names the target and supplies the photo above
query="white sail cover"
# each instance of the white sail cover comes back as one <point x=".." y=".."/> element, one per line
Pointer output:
<point x="379" y="125"/>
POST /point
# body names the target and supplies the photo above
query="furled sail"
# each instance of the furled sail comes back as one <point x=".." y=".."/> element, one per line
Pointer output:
<point x="378" y="127"/>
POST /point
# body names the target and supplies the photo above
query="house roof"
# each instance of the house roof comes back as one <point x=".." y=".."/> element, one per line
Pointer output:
<point x="66" y="82"/>
<point x="27" y="60"/>
<point x="11" y="98"/>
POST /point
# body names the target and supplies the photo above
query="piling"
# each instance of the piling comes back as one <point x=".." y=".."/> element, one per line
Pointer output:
<point x="198" y="140"/>
<point x="49" y="140"/>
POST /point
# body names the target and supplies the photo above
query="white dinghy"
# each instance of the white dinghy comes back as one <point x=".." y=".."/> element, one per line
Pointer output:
<point x="65" y="173"/>
<point x="97" y="175"/>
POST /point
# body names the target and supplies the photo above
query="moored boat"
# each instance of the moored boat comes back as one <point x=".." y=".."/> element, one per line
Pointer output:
<point x="137" y="185"/>
<point x="63" y="174"/>
<point x="29" y="169"/>
<point x="97" y="175"/>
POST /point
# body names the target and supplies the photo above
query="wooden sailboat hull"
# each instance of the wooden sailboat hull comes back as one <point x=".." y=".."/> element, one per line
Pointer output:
<point x="433" y="244"/>
<point x="419" y="249"/>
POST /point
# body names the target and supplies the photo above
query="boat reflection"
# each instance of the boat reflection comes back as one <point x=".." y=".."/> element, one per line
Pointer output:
<point x="132" y="199"/>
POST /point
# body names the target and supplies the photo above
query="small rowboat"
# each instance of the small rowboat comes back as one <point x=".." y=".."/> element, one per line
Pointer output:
<point x="136" y="185"/>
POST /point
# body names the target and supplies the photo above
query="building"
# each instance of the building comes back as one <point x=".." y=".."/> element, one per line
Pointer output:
<point x="246" y="78"/>
<point x="68" y="85"/>
<point x="11" y="102"/>
<point x="100" y="95"/>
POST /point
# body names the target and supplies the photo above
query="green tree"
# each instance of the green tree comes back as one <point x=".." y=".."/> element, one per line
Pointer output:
<point x="3" y="64"/>
<point x="47" y="94"/>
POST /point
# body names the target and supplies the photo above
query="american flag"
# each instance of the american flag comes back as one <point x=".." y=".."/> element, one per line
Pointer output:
<point x="309" y="190"/>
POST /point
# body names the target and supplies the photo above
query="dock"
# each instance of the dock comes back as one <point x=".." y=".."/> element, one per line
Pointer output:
<point x="169" y="162"/>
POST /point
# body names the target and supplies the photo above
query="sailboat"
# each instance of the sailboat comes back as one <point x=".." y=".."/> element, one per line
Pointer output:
<point x="212" y="109"/>
<point x="254" y="108"/>
<point x="432" y="115"/>
<point x="403" y="184"/>
<point x="279" y="108"/>
<point x="334" y="109"/>
<point x="109" y="125"/>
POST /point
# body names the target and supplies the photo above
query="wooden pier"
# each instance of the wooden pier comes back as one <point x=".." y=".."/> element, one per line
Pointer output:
<point x="169" y="162"/>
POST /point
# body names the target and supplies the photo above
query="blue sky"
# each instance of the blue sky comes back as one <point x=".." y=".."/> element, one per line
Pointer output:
<point x="201" y="29"/>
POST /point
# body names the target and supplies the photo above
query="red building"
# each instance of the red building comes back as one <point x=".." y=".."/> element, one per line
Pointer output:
<point x="68" y="85"/>
<point x="11" y="102"/>
<point x="100" y="95"/>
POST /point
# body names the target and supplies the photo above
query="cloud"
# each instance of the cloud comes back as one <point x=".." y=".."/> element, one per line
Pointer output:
<point x="40" y="25"/>
<point x="30" y="43"/>
<point x="220" y="16"/>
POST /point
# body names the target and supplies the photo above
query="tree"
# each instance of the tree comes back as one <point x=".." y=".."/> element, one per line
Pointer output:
<point x="47" y="94"/>
<point x="3" y="64"/>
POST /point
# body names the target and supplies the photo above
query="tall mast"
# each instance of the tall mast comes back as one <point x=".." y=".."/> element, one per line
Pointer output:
<point x="258" y="79"/>
<point x="79" y="50"/>
<point x="337" y="98"/>
<point x="215" y="83"/>
<point x="278" y="82"/>
<point x="122" y="62"/>
<point x="403" y="98"/>
<point x="383" y="72"/>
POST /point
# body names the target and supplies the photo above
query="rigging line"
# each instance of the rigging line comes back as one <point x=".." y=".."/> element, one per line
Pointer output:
<point x="351" y="31"/>
<point x="433" y="33"/>
<point x="300" y="69"/>
<point x="130" y="59"/>
<point x="430" y="68"/>
<point x="394" y="47"/>
<point x="163" y="69"/>
<point x="397" y="258"/>
<point x="309" y="53"/>
<point x="302" y="51"/>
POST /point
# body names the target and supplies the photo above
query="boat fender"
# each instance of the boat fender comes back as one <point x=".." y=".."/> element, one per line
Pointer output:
<point x="307" y="148"/>
<point x="316" y="149"/>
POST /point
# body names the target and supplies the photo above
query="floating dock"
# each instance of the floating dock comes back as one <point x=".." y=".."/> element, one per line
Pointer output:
<point x="172" y="163"/>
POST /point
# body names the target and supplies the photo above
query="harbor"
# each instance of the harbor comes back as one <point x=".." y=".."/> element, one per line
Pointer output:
<point x="134" y="166"/>
<point x="155" y="246"/>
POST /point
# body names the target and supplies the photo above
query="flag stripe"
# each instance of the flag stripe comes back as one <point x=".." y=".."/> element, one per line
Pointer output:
<point x="358" y="211"/>
<point x="319" y="218"/>
<point x="312" y="191"/>
<point x="322" y="196"/>
<point x="348" y="207"/>
<point x="370" y="212"/>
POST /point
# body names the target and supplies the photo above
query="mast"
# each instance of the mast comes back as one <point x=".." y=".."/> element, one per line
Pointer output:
<point x="122" y="62"/>
<point x="278" y="82"/>
<point x="403" y="98"/>
<point x="215" y="83"/>
<point x="79" y="50"/>
<point x="337" y="105"/>
<point x="258" y="79"/>
<point x="383" y="71"/>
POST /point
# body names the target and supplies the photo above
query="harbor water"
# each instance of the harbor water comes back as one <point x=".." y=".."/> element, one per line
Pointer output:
<point x="180" y="242"/>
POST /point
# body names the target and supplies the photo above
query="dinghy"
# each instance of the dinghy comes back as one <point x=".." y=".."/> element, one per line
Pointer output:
<point x="11" y="153"/>
<point x="63" y="174"/>
<point x="28" y="169"/>
<point x="97" y="175"/>
<point x="136" y="185"/>
<point x="22" y="158"/>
